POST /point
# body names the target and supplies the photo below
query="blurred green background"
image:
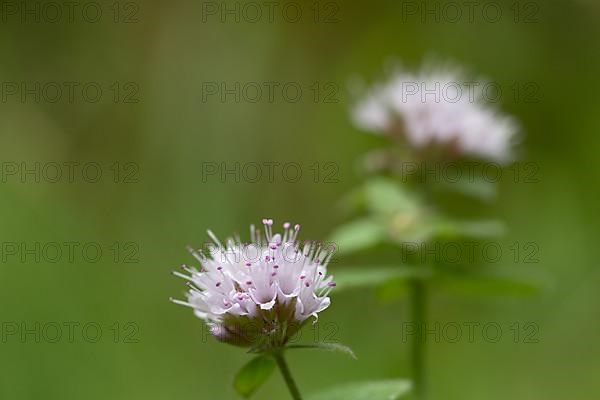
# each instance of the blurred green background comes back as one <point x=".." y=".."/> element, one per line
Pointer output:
<point x="153" y="62"/>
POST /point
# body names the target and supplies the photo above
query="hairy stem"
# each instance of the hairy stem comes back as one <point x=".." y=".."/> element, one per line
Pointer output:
<point x="287" y="376"/>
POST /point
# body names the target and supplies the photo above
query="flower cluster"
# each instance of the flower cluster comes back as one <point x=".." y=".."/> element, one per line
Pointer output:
<point x="419" y="108"/>
<point x="261" y="293"/>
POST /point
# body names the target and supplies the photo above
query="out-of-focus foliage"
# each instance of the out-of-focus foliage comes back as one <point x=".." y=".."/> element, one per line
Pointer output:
<point x="171" y="133"/>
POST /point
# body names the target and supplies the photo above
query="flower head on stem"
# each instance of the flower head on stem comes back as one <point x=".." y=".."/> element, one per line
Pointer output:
<point x="261" y="293"/>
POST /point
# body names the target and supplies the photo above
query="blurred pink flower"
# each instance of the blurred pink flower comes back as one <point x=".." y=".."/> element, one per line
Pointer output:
<point x="437" y="107"/>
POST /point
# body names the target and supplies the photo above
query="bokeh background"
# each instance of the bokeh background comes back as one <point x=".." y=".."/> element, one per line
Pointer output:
<point x="160" y="131"/>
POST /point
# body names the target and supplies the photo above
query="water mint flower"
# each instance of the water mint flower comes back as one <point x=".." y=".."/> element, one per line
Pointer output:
<point x="259" y="294"/>
<point x="438" y="107"/>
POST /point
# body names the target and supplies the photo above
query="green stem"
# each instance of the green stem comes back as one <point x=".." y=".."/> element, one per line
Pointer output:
<point x="287" y="376"/>
<point x="418" y="350"/>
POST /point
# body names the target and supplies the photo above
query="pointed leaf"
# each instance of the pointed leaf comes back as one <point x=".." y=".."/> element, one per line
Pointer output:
<point x="378" y="390"/>
<point x="253" y="375"/>
<point x="336" y="347"/>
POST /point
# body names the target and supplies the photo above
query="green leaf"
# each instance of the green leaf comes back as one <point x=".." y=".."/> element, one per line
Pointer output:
<point x="336" y="347"/>
<point x="357" y="235"/>
<point x="253" y="375"/>
<point x="369" y="276"/>
<point x="379" y="390"/>
<point x="384" y="196"/>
